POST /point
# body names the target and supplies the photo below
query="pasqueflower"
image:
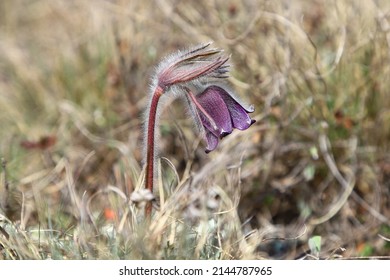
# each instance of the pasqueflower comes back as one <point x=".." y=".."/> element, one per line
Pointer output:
<point x="195" y="74"/>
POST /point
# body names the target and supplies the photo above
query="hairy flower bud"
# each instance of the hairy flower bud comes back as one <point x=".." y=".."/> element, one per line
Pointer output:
<point x="194" y="64"/>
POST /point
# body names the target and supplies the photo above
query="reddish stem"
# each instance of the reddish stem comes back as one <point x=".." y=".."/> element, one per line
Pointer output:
<point x="150" y="147"/>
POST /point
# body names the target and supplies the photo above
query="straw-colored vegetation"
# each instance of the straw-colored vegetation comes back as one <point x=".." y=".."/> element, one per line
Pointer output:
<point x="74" y="79"/>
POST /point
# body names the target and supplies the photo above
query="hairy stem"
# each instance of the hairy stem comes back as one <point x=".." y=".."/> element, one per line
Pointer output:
<point x="150" y="150"/>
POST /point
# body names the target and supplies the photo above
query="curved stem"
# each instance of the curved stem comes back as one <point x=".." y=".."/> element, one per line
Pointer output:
<point x="150" y="150"/>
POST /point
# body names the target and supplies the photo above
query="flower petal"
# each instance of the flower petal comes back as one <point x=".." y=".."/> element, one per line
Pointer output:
<point x="239" y="115"/>
<point x="214" y="105"/>
<point x="212" y="141"/>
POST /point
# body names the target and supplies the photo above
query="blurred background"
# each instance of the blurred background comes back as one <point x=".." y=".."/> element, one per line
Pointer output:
<point x="310" y="179"/>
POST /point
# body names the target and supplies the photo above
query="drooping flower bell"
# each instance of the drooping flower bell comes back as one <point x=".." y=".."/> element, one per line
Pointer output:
<point x="217" y="113"/>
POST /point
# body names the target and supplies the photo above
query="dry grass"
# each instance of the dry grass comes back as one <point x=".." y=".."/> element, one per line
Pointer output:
<point x="73" y="82"/>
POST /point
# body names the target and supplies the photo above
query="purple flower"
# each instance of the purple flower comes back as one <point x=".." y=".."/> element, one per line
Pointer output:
<point x="218" y="113"/>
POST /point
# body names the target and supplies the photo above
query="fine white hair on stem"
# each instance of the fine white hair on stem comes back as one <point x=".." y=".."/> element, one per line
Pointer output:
<point x="164" y="101"/>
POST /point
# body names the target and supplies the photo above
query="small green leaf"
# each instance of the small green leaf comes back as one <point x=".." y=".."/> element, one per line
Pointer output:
<point x="315" y="245"/>
<point x="367" y="251"/>
<point x="314" y="152"/>
<point x="309" y="172"/>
